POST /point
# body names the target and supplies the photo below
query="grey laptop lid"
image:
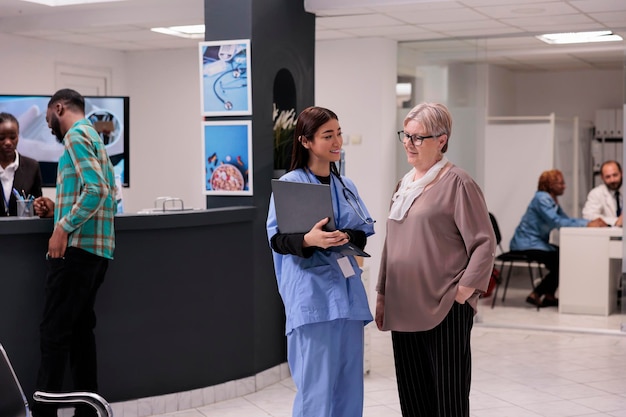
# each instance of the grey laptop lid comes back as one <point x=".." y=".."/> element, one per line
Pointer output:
<point x="300" y="205"/>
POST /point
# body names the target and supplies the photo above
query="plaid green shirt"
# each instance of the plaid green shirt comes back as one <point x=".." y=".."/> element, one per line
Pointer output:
<point x="85" y="196"/>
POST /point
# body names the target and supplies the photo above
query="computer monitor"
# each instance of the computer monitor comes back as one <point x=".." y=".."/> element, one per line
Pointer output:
<point x="109" y="114"/>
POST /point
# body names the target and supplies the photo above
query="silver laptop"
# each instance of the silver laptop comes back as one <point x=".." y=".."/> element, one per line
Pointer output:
<point x="300" y="205"/>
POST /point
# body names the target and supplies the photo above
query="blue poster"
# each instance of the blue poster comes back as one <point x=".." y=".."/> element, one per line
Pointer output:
<point x="225" y="81"/>
<point x="227" y="158"/>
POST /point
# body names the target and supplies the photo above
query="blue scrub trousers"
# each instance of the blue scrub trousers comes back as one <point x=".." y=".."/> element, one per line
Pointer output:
<point x="326" y="363"/>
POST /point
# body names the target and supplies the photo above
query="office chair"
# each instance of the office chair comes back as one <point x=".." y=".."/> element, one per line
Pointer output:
<point x="13" y="402"/>
<point x="507" y="259"/>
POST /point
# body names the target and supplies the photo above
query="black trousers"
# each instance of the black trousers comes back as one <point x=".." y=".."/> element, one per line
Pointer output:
<point x="550" y="259"/>
<point x="434" y="367"/>
<point x="66" y="330"/>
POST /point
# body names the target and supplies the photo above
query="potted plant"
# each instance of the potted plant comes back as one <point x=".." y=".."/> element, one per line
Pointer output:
<point x="284" y="125"/>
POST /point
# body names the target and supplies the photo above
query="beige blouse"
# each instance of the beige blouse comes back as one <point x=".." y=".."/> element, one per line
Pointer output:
<point x="445" y="240"/>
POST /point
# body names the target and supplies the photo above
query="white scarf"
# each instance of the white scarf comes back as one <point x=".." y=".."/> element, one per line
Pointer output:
<point x="409" y="190"/>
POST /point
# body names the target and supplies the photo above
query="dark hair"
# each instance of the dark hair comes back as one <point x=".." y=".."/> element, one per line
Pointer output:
<point x="308" y="122"/>
<point x="70" y="98"/>
<point x="605" y="163"/>
<point x="8" y="117"/>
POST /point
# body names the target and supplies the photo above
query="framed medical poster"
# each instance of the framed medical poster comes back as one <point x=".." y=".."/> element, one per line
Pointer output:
<point x="224" y="78"/>
<point x="227" y="154"/>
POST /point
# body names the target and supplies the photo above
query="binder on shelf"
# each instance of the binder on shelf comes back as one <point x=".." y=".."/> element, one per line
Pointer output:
<point x="603" y="123"/>
<point x="609" y="124"/>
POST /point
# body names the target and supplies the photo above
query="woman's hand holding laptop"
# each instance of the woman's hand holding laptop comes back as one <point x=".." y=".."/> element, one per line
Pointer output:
<point x="317" y="236"/>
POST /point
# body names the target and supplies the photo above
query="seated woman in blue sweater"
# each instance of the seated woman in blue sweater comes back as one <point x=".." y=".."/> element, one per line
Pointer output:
<point x="532" y="235"/>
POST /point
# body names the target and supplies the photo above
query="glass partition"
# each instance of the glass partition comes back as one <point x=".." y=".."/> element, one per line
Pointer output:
<point x="449" y="72"/>
<point x="482" y="80"/>
<point x="622" y="283"/>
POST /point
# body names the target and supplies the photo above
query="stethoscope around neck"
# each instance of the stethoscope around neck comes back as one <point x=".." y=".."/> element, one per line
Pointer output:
<point x="350" y="197"/>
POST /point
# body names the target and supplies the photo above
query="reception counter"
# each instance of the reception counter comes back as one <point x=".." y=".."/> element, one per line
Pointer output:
<point x="176" y="311"/>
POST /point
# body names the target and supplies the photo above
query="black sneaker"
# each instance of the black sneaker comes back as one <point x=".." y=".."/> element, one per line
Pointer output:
<point x="550" y="302"/>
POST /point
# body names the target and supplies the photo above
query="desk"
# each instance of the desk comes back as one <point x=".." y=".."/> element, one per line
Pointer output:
<point x="177" y="309"/>
<point x="590" y="266"/>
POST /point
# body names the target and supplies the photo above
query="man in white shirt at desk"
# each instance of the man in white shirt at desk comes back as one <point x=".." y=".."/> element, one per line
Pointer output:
<point x="605" y="200"/>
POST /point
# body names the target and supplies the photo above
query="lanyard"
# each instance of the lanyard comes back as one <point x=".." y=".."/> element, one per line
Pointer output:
<point x="5" y="201"/>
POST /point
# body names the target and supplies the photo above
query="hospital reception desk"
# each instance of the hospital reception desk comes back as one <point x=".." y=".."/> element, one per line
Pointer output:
<point x="590" y="269"/>
<point x="177" y="310"/>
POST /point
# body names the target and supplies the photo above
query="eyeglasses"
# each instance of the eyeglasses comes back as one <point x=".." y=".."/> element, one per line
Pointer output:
<point x="416" y="140"/>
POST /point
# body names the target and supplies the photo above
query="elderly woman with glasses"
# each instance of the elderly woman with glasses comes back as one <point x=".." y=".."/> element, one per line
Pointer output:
<point x="437" y="259"/>
<point x="532" y="235"/>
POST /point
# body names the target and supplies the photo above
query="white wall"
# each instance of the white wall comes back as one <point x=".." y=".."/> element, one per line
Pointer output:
<point x="357" y="79"/>
<point x="509" y="183"/>
<point x="166" y="133"/>
<point x="28" y="65"/>
<point x="501" y="92"/>
<point x="568" y="93"/>
<point x="165" y="130"/>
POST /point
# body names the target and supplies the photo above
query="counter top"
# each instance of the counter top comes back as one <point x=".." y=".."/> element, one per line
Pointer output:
<point x="592" y="231"/>
<point x="156" y="220"/>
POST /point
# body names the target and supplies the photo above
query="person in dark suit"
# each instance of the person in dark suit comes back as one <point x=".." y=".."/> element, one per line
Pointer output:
<point x="17" y="172"/>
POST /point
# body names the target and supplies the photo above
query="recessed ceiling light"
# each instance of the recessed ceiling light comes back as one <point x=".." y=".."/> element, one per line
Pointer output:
<point x="53" y="3"/>
<point x="189" y="31"/>
<point x="580" y="37"/>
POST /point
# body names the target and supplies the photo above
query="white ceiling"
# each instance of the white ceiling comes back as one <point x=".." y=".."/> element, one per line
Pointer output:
<point x="122" y="25"/>
<point x="497" y="31"/>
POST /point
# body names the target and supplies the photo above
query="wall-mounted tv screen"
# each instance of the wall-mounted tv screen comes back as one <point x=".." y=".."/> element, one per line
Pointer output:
<point x="108" y="114"/>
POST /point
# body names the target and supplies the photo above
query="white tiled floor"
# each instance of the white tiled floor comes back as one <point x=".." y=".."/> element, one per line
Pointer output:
<point x="526" y="363"/>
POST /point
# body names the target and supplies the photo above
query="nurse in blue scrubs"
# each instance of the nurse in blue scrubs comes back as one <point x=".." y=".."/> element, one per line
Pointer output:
<point x="325" y="301"/>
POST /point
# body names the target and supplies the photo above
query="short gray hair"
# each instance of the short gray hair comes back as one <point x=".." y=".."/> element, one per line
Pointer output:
<point x="434" y="117"/>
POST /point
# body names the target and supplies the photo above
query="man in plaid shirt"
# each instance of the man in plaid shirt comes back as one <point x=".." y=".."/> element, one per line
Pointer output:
<point x="79" y="250"/>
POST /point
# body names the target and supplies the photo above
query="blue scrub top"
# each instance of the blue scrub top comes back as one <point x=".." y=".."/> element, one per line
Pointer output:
<point x="314" y="289"/>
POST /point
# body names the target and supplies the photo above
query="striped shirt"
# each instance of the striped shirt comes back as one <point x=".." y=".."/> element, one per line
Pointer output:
<point x="85" y="198"/>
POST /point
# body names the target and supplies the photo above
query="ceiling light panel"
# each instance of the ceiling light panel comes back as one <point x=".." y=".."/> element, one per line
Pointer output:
<point x="188" y="32"/>
<point x="579" y="37"/>
<point x="54" y="3"/>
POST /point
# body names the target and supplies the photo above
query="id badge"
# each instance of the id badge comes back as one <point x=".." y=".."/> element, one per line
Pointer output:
<point x="346" y="266"/>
